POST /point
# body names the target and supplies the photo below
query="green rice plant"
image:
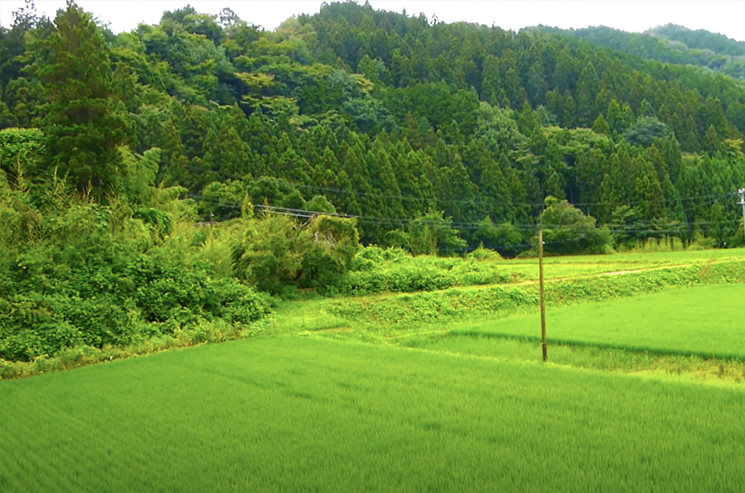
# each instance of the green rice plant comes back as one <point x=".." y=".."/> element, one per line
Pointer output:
<point x="488" y="344"/>
<point x="304" y="414"/>
<point x="702" y="321"/>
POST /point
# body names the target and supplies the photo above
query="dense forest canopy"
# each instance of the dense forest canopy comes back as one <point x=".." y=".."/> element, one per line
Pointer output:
<point x="669" y="44"/>
<point x="395" y="120"/>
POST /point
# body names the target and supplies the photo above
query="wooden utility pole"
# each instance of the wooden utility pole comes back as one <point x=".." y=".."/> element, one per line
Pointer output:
<point x="742" y="203"/>
<point x="544" y="347"/>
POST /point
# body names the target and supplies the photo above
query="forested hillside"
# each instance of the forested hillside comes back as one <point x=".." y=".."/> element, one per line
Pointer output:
<point x="700" y="39"/>
<point x="382" y="116"/>
<point x="669" y="44"/>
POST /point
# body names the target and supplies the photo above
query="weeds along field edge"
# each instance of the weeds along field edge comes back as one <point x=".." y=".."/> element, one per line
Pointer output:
<point x="300" y="413"/>
<point x="204" y="332"/>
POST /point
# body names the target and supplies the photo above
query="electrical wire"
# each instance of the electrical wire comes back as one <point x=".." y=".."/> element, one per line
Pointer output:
<point x="482" y="202"/>
<point x="398" y="222"/>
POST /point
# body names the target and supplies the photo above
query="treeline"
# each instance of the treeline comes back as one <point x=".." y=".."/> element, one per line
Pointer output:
<point x="385" y="117"/>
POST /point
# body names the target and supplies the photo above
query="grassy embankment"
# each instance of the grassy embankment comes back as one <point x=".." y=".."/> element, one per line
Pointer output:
<point x="377" y="271"/>
<point x="401" y="312"/>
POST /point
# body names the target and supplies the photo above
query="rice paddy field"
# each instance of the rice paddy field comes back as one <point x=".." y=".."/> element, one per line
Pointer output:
<point x="572" y="266"/>
<point x="641" y="393"/>
<point x="307" y="414"/>
<point x="704" y="321"/>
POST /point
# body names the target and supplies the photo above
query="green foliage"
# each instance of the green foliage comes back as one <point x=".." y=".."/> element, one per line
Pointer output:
<point x="93" y="277"/>
<point x="265" y="254"/>
<point x="432" y="234"/>
<point x="20" y="149"/>
<point x="76" y="273"/>
<point x="482" y="254"/>
<point x="319" y="203"/>
<point x="646" y="130"/>
<point x="505" y="237"/>
<point x="392" y="270"/>
<point x="275" y="251"/>
<point x="331" y="245"/>
<point x="670" y="44"/>
<point x="82" y="127"/>
<point x="376" y="113"/>
<point x="567" y="230"/>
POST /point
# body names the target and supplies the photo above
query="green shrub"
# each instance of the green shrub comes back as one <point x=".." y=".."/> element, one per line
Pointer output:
<point x="482" y="254"/>
<point x="375" y="270"/>
<point x="96" y="279"/>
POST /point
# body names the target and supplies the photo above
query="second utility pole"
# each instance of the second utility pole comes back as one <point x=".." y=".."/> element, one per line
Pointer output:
<point x="742" y="202"/>
<point x="544" y="347"/>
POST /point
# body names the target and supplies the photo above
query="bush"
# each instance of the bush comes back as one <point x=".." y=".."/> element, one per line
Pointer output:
<point x="375" y="270"/>
<point x="482" y="254"/>
<point x="276" y="251"/>
<point x="96" y="276"/>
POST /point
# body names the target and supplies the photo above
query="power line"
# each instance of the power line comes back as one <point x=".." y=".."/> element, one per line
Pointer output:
<point x="672" y="201"/>
<point x="636" y="228"/>
<point x="234" y="205"/>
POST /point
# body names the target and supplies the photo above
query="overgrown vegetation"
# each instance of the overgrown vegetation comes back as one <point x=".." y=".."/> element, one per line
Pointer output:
<point x="76" y="273"/>
<point x="375" y="270"/>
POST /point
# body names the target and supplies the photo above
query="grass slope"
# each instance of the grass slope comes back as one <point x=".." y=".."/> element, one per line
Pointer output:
<point x="303" y="414"/>
<point x="405" y="311"/>
<point x="701" y="320"/>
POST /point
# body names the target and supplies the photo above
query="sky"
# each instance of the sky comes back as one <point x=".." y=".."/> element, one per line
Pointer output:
<point x="723" y="17"/>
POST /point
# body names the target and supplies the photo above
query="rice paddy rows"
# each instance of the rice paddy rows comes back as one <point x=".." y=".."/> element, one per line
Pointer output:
<point x="700" y="321"/>
<point x="293" y="413"/>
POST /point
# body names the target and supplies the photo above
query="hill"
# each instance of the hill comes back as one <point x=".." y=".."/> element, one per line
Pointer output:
<point x="668" y="44"/>
<point x="700" y="39"/>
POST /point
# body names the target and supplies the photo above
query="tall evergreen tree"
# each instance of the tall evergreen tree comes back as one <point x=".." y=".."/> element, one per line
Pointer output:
<point x="82" y="129"/>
